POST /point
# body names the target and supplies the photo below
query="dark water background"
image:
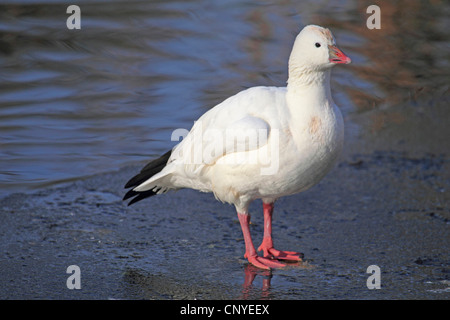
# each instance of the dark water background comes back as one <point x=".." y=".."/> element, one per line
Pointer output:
<point x="91" y="102"/>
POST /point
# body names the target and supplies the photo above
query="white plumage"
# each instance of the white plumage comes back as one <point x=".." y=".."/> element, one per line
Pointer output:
<point x="264" y="142"/>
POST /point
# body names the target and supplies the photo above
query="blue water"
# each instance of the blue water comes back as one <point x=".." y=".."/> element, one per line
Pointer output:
<point x="74" y="103"/>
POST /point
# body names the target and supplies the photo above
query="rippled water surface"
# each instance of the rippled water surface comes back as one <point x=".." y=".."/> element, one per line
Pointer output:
<point x="78" y="102"/>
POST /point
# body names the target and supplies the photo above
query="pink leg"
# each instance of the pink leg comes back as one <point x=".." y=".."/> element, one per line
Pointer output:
<point x="250" y="252"/>
<point x="267" y="244"/>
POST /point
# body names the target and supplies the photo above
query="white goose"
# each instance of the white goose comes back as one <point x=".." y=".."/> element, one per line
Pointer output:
<point x="262" y="143"/>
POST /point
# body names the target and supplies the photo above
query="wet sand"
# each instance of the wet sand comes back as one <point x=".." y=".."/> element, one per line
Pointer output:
<point x="384" y="208"/>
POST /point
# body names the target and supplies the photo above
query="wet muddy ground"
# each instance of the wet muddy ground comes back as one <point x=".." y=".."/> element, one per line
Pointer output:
<point x="384" y="208"/>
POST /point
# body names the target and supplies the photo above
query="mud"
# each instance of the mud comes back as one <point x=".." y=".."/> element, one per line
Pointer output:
<point x="384" y="208"/>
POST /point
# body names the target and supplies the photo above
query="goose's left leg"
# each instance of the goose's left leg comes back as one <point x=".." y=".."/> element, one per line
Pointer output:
<point x="267" y="244"/>
<point x="250" y="252"/>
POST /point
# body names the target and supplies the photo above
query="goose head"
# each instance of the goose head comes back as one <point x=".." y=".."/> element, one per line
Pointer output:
<point x="314" y="50"/>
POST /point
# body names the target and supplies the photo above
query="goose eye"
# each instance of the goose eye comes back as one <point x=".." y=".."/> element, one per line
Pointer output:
<point x="317" y="45"/>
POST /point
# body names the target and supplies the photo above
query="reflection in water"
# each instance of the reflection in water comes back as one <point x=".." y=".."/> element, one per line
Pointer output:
<point x="250" y="273"/>
<point x="141" y="284"/>
<point x="249" y="291"/>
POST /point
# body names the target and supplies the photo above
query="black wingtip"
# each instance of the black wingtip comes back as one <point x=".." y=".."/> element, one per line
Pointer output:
<point x="129" y="194"/>
<point x="140" y="196"/>
<point x="149" y="170"/>
<point x="146" y="173"/>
